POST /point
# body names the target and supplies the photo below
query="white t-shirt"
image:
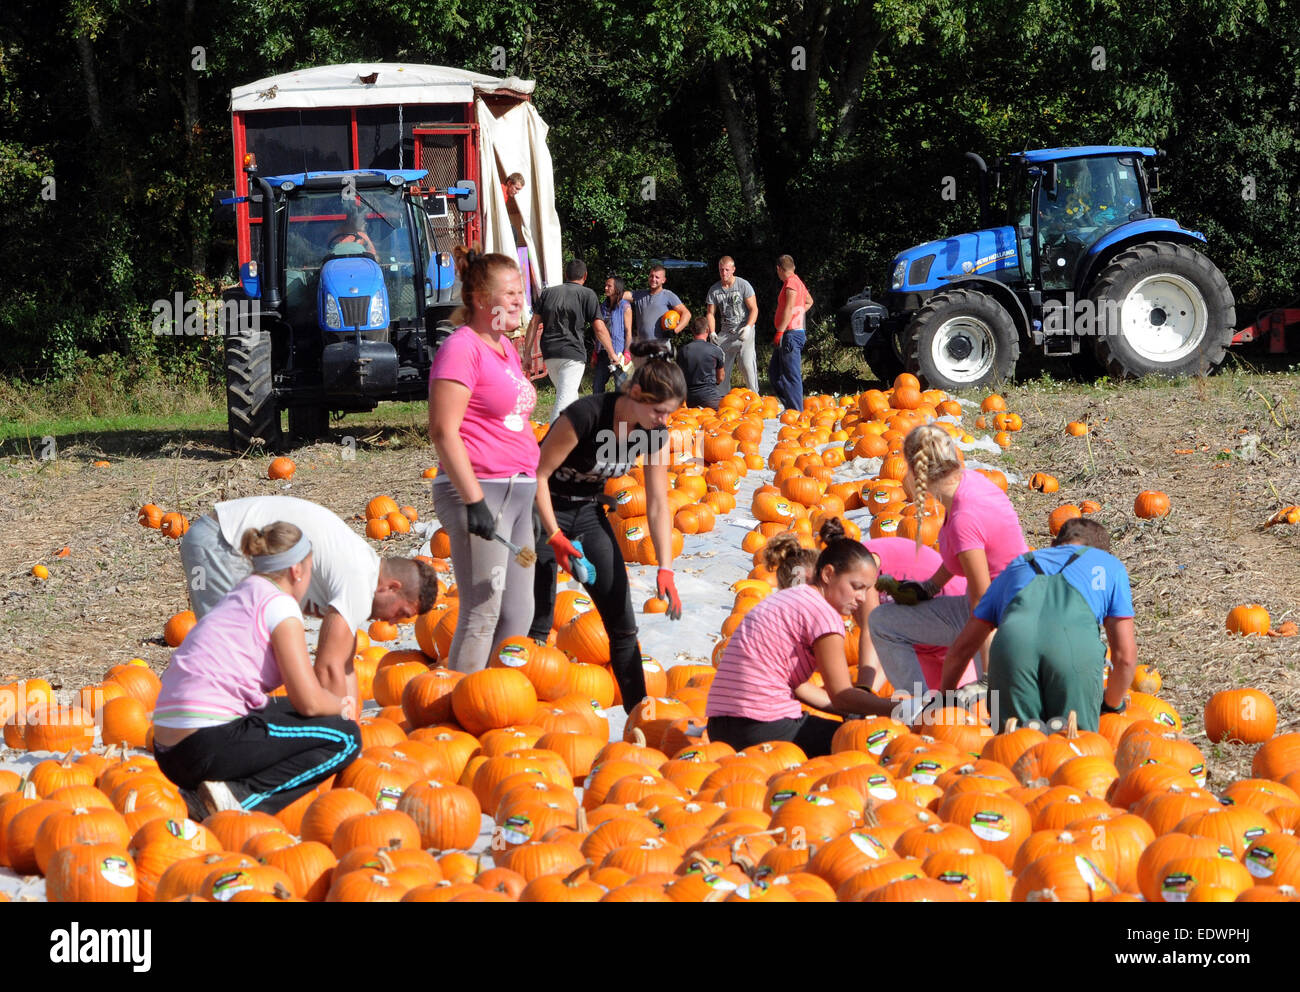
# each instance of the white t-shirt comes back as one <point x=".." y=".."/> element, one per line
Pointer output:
<point x="345" y="569"/>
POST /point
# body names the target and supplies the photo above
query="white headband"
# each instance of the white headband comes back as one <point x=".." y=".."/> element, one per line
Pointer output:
<point x="276" y="562"/>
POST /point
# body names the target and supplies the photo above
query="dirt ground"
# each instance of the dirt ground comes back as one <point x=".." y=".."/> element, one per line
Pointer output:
<point x="1225" y="449"/>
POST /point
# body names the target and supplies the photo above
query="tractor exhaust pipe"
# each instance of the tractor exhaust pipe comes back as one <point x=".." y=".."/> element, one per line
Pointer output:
<point x="983" y="170"/>
<point x="270" y="274"/>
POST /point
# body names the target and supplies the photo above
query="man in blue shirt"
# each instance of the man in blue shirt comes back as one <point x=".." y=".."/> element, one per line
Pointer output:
<point x="1047" y="657"/>
<point x="651" y="304"/>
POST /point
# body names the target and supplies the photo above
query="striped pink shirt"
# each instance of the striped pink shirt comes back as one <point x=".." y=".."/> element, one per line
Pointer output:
<point x="770" y="654"/>
<point x="226" y="665"/>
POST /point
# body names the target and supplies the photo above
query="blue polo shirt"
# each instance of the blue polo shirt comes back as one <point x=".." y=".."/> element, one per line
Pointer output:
<point x="1097" y="574"/>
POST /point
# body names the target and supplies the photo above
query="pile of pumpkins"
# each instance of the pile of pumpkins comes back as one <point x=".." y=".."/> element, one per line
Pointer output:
<point x="942" y="810"/>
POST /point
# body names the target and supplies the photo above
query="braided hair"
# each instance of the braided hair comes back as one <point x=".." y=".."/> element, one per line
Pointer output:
<point x="931" y="455"/>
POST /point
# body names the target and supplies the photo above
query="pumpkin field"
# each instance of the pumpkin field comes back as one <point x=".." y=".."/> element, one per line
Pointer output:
<point x="527" y="782"/>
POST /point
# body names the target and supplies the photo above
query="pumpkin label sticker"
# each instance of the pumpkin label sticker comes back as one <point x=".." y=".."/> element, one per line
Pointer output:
<point x="634" y="533"/>
<point x="517" y="830"/>
<point x="388" y="797"/>
<point x="1089" y="873"/>
<point x="782" y="797"/>
<point x="925" y="772"/>
<point x="228" y="885"/>
<point x="877" y="739"/>
<point x="1177" y="886"/>
<point x="1261" y="861"/>
<point x="623" y="497"/>
<point x="880" y="787"/>
<point x="869" y="846"/>
<point x="988" y="825"/>
<point x="182" y="829"/>
<point x="513" y="656"/>
<point x="117" y="871"/>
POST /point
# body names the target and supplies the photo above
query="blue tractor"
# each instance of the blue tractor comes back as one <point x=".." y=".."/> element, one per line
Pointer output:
<point x="346" y="297"/>
<point x="1078" y="261"/>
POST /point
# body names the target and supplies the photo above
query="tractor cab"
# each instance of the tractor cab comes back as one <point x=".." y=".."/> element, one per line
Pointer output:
<point x="1070" y="204"/>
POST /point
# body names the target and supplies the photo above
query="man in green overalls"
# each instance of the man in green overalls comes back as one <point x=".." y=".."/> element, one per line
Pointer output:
<point x="1047" y="658"/>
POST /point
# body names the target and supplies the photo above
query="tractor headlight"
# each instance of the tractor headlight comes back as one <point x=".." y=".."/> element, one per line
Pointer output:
<point x="333" y="319"/>
<point x="377" y="317"/>
<point x="900" y="271"/>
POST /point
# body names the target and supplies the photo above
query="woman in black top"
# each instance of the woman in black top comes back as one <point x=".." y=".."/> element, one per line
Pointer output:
<point x="597" y="438"/>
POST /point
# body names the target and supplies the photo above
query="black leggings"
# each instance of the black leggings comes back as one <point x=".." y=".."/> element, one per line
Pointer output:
<point x="812" y="733"/>
<point x="611" y="594"/>
<point x="269" y="758"/>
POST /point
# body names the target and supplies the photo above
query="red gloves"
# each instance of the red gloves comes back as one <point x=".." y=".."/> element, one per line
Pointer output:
<point x="666" y="588"/>
<point x="564" y="550"/>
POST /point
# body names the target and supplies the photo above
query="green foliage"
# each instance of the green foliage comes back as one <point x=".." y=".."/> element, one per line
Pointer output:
<point x="823" y="130"/>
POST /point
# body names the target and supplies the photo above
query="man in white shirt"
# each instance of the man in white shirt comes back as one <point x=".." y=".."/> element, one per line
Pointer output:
<point x="733" y="312"/>
<point x="350" y="584"/>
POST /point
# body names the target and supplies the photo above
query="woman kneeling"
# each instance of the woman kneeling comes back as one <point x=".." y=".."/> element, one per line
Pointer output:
<point x="217" y="734"/>
<point x="756" y="695"/>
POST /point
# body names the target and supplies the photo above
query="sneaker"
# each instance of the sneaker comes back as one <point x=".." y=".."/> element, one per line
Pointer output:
<point x="216" y="796"/>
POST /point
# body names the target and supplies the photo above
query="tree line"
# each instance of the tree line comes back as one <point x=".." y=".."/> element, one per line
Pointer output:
<point x="825" y="129"/>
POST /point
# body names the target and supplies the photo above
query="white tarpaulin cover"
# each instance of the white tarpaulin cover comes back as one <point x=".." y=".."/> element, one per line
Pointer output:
<point x="342" y="86"/>
<point x="515" y="141"/>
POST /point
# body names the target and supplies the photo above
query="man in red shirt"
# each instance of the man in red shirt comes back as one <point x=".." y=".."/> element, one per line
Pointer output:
<point x="785" y="370"/>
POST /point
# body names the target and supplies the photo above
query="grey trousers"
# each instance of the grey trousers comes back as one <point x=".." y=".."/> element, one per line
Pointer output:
<point x="739" y="344"/>
<point x="496" y="592"/>
<point x="212" y="566"/>
<point x="897" y="630"/>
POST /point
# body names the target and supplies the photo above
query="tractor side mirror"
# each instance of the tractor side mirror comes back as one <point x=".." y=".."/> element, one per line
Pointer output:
<point x="1049" y="180"/>
<point x="466" y="193"/>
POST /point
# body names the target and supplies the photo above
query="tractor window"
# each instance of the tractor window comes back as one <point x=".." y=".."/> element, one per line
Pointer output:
<point x="317" y="219"/>
<point x="1093" y="197"/>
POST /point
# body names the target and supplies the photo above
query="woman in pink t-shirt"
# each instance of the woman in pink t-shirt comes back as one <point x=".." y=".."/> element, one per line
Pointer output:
<point x="480" y="402"/>
<point x="763" y="674"/>
<point x="980" y="535"/>
<point x="217" y="733"/>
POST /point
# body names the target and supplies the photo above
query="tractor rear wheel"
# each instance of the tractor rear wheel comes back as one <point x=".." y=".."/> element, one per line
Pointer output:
<point x="252" y="413"/>
<point x="1162" y="309"/>
<point x="962" y="339"/>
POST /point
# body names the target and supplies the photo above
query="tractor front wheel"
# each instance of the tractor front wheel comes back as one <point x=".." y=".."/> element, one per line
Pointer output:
<point x="1162" y="309"/>
<point x="962" y="339"/>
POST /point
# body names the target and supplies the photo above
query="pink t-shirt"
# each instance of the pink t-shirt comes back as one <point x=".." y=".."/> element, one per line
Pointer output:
<point x="902" y="559"/>
<point x="981" y="516"/>
<point x="770" y="654"/>
<point x="226" y="666"/>
<point x="801" y="299"/>
<point x="495" y="430"/>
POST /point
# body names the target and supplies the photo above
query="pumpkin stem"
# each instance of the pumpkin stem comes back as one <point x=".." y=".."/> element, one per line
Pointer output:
<point x="1011" y="725"/>
<point x="281" y="891"/>
<point x="1072" y="726"/>
<point x="70" y="757"/>
<point x="129" y="805"/>
<point x="582" y="820"/>
<point x="575" y="877"/>
<point x="1042" y="895"/>
<point x="386" y="861"/>
<point x="29" y="789"/>
<point x="638" y="737"/>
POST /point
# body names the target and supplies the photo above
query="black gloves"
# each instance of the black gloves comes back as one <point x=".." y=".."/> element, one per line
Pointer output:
<point x="479" y="520"/>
